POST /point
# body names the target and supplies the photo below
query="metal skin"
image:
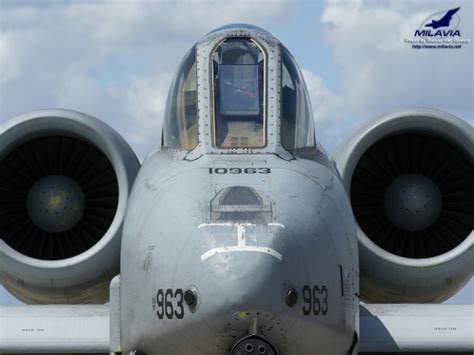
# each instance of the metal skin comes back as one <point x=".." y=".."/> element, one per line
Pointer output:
<point x="162" y="249"/>
<point x="416" y="328"/>
<point x="243" y="274"/>
<point x="55" y="329"/>
<point x="83" y="278"/>
<point x="389" y="278"/>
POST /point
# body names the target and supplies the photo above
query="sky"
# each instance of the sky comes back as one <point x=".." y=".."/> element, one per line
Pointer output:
<point x="115" y="60"/>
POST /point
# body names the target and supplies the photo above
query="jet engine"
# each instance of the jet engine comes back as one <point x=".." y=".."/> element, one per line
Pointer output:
<point x="65" y="178"/>
<point x="410" y="177"/>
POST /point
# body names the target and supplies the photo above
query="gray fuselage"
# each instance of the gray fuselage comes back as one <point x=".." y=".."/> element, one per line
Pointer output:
<point x="238" y="232"/>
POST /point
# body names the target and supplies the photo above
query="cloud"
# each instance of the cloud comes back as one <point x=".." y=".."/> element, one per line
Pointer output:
<point x="146" y="100"/>
<point x="111" y="59"/>
<point x="380" y="72"/>
<point x="323" y="100"/>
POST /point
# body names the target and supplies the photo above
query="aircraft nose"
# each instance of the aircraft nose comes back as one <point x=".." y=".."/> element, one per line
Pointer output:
<point x="247" y="285"/>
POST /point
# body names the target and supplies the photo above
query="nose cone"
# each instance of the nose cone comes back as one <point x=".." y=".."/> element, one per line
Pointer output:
<point x="245" y="290"/>
<point x="55" y="203"/>
<point x="413" y="202"/>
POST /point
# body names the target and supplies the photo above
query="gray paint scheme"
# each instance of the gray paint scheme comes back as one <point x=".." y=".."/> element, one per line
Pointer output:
<point x="416" y="328"/>
<point x="311" y="251"/>
<point x="388" y="328"/>
<point x="204" y="48"/>
<point x="54" y="329"/>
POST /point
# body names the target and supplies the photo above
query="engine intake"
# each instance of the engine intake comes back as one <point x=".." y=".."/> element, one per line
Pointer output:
<point x="413" y="195"/>
<point x="64" y="184"/>
<point x="410" y="176"/>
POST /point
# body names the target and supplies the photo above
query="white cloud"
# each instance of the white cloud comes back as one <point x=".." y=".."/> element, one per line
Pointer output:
<point x="146" y="100"/>
<point x="323" y="101"/>
<point x="8" y="60"/>
<point x="111" y="59"/>
<point x="380" y="72"/>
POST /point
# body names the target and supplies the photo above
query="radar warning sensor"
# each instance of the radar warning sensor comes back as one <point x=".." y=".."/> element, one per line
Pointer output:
<point x="240" y="235"/>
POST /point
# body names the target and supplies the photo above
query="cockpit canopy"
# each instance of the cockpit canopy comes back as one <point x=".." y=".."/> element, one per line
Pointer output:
<point x="238" y="70"/>
<point x="241" y="91"/>
<point x="181" y="114"/>
<point x="297" y="123"/>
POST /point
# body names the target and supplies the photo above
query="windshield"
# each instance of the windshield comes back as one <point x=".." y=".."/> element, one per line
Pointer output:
<point x="180" y="122"/>
<point x="239" y="87"/>
<point x="297" y="125"/>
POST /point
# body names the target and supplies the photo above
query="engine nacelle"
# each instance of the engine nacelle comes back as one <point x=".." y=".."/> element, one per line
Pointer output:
<point x="410" y="176"/>
<point x="65" y="178"/>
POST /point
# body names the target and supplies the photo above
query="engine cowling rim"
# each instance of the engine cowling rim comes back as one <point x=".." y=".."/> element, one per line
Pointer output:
<point x="404" y="121"/>
<point x="77" y="125"/>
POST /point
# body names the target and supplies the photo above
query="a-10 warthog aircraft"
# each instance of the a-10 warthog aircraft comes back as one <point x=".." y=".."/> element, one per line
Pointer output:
<point x="240" y="235"/>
